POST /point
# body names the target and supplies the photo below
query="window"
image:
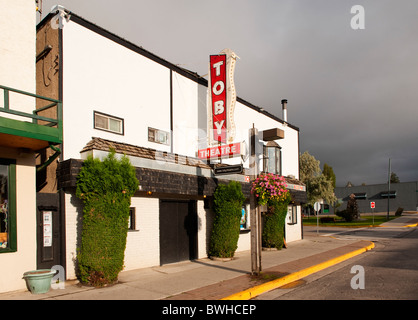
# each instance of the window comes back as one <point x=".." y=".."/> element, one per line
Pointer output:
<point x="8" y="241"/>
<point x="292" y="214"/>
<point x="132" y="219"/>
<point x="386" y="194"/>
<point x="108" y="123"/>
<point x="273" y="158"/>
<point x="360" y="196"/>
<point x="244" y="218"/>
<point x="158" y="136"/>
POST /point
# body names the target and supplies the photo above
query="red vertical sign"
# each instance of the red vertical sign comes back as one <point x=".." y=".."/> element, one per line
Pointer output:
<point x="218" y="95"/>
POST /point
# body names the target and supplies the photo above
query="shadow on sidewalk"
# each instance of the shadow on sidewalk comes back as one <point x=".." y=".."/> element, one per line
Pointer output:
<point x="220" y="267"/>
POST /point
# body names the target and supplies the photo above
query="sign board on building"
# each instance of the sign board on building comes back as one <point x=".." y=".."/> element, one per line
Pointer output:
<point x="221" y="98"/>
<point x="230" y="169"/>
<point x="47" y="226"/>
<point x="221" y="151"/>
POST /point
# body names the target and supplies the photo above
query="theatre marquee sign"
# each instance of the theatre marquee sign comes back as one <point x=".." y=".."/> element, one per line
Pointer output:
<point x="221" y="151"/>
<point x="221" y="98"/>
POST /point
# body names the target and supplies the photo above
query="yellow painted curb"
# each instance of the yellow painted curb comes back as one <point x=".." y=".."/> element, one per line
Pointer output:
<point x="271" y="285"/>
<point x="411" y="225"/>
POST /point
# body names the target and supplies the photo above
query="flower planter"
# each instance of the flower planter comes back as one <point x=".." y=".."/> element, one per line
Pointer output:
<point x="221" y="259"/>
<point x="39" y="281"/>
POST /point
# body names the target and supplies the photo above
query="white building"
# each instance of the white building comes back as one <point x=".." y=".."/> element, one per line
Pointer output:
<point x="22" y="136"/>
<point x="116" y="94"/>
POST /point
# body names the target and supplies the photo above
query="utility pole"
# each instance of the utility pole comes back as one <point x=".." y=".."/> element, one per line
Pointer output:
<point x="387" y="216"/>
<point x="254" y="210"/>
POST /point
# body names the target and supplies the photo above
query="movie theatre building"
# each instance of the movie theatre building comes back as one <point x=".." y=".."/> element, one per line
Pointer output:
<point x="183" y="133"/>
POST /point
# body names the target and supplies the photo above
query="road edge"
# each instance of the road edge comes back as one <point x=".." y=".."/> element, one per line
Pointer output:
<point x="271" y="285"/>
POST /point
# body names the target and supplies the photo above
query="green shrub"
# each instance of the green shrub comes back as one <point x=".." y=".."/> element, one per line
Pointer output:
<point x="348" y="216"/>
<point x="274" y="222"/>
<point x="106" y="188"/>
<point x="228" y="201"/>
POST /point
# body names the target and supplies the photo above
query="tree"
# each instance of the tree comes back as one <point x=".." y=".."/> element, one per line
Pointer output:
<point x="309" y="166"/>
<point x="318" y="186"/>
<point x="394" y="178"/>
<point x="329" y="173"/>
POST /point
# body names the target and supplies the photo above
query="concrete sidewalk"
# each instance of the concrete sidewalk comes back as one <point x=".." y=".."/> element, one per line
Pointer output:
<point x="205" y="279"/>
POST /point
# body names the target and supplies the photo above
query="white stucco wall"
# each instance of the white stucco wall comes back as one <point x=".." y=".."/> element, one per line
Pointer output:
<point x="18" y="52"/>
<point x="17" y="65"/>
<point x="101" y="75"/>
<point x="143" y="244"/>
<point x="107" y="77"/>
<point x="294" y="231"/>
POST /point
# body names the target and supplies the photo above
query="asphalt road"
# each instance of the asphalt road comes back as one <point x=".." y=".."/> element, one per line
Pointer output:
<point x="389" y="271"/>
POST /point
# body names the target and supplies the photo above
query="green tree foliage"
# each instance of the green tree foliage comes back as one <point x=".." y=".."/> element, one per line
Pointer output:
<point x="328" y="172"/>
<point x="309" y="166"/>
<point x="318" y="186"/>
<point x="228" y="201"/>
<point x="394" y="178"/>
<point x="106" y="188"/>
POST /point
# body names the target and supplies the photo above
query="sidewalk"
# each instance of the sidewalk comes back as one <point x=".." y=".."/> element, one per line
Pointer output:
<point x="205" y="279"/>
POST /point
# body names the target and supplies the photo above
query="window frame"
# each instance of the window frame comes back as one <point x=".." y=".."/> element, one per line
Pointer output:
<point x="109" y="117"/>
<point x="277" y="155"/>
<point x="155" y="133"/>
<point x="132" y="219"/>
<point x="11" y="186"/>
<point x="292" y="211"/>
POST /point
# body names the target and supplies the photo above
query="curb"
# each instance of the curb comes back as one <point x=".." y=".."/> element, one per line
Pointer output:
<point x="268" y="286"/>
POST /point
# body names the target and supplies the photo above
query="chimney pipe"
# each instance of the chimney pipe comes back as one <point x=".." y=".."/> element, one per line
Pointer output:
<point x="284" y="108"/>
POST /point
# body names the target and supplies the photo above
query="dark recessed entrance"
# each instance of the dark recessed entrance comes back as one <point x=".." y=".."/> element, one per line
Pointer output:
<point x="49" y="235"/>
<point x="178" y="231"/>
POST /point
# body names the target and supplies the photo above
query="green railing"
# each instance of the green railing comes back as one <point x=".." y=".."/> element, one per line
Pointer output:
<point x="34" y="116"/>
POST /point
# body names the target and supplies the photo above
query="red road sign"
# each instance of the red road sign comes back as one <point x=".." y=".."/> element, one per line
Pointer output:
<point x="372" y="205"/>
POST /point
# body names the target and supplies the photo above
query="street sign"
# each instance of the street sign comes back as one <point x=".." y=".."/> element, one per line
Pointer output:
<point x="372" y="205"/>
<point x="231" y="169"/>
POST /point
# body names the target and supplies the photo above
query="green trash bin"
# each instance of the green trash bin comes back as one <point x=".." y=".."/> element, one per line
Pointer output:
<point x="39" y="281"/>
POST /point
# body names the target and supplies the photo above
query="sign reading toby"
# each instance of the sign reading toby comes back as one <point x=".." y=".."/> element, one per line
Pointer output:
<point x="221" y="98"/>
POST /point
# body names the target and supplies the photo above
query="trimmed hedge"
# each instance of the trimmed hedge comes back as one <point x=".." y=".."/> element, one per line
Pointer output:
<point x="274" y="222"/>
<point x="228" y="201"/>
<point x="106" y="188"/>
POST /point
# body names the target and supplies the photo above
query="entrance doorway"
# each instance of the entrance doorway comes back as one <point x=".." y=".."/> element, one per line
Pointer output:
<point x="49" y="240"/>
<point x="178" y="231"/>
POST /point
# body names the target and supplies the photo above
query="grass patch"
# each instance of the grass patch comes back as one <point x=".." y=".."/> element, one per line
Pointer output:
<point x="267" y="276"/>
<point x="364" y="221"/>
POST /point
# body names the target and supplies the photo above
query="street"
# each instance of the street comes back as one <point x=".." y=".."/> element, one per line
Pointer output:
<point x="389" y="271"/>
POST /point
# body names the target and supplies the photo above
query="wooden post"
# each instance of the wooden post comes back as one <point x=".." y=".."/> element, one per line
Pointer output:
<point x="254" y="211"/>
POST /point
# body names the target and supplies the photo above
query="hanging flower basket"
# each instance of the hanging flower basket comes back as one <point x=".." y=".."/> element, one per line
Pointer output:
<point x="270" y="186"/>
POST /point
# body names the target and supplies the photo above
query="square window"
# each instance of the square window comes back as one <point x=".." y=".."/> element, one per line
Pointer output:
<point x="158" y="136"/>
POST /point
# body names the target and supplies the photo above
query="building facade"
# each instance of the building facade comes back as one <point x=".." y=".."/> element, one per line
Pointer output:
<point x="117" y="95"/>
<point x="402" y="195"/>
<point x="27" y="127"/>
